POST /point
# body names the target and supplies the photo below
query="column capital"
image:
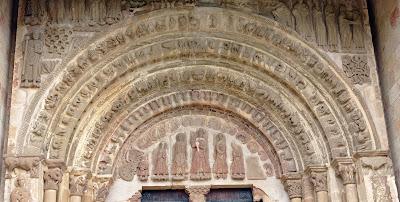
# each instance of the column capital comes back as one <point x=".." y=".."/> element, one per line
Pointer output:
<point x="293" y="185"/>
<point x="345" y="168"/>
<point x="54" y="173"/>
<point x="77" y="184"/>
<point x="318" y="178"/>
<point x="197" y="193"/>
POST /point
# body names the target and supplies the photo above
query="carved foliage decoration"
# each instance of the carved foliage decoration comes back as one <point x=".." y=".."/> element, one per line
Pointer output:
<point x="57" y="39"/>
<point x="179" y="162"/>
<point x="220" y="164"/>
<point x="356" y="68"/>
<point x="200" y="167"/>
<point x="294" y="188"/>
<point x="237" y="166"/>
<point x="77" y="185"/>
<point x="319" y="180"/>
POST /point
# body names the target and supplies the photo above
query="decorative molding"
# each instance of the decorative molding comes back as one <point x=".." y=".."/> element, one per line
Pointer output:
<point x="356" y="68"/>
<point x="197" y="193"/>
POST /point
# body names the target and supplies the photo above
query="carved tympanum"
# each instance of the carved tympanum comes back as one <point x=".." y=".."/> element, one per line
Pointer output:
<point x="20" y="192"/>
<point x="237" y="166"/>
<point x="220" y="164"/>
<point x="160" y="157"/>
<point x="179" y="162"/>
<point x="200" y="168"/>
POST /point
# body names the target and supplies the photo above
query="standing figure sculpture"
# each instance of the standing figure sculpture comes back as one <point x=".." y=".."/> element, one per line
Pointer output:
<point x="143" y="168"/>
<point x="302" y="14"/>
<point x="220" y="165"/>
<point x="331" y="26"/>
<point x="237" y="166"/>
<point x="200" y="169"/>
<point x="114" y="13"/>
<point x="282" y="14"/>
<point x="179" y="161"/>
<point x="320" y="28"/>
<point x="20" y="193"/>
<point x="345" y="28"/>
<point x="97" y="11"/>
<point x="160" y="170"/>
<point x="32" y="49"/>
<point x="78" y="11"/>
<point x="358" y="30"/>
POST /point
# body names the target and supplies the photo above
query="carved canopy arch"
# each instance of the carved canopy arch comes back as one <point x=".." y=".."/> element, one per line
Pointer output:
<point x="250" y="42"/>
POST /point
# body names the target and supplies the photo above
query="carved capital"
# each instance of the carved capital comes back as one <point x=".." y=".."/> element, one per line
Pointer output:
<point x="347" y="173"/>
<point x="197" y="193"/>
<point x="136" y="197"/>
<point x="319" y="178"/>
<point x="77" y="184"/>
<point x="294" y="188"/>
<point x="52" y="178"/>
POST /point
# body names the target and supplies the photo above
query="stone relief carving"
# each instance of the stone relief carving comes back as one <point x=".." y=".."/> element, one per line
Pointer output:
<point x="253" y="165"/>
<point x="129" y="165"/>
<point x="30" y="164"/>
<point x="160" y="157"/>
<point x="331" y="26"/>
<point x="198" y="193"/>
<point x="319" y="180"/>
<point x="220" y="164"/>
<point x="319" y="26"/>
<point x="143" y="168"/>
<point x="136" y="197"/>
<point x="351" y="28"/>
<point x="356" y="68"/>
<point x="304" y="27"/>
<point x="77" y="185"/>
<point x="57" y="39"/>
<point x="52" y="178"/>
<point x="200" y="167"/>
<point x="294" y="188"/>
<point x="20" y="192"/>
<point x="32" y="50"/>
<point x="237" y="166"/>
<point x="102" y="188"/>
<point x="347" y="173"/>
<point x="179" y="162"/>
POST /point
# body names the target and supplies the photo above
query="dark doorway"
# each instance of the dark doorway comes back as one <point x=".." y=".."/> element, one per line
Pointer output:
<point x="230" y="195"/>
<point x="165" y="195"/>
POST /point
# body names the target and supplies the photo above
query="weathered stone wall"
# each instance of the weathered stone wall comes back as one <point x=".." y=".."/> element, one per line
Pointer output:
<point x="387" y="30"/>
<point x="5" y="20"/>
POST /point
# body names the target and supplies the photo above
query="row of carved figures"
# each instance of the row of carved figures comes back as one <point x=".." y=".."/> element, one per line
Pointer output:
<point x="136" y="162"/>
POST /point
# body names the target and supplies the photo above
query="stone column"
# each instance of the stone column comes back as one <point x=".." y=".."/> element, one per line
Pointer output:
<point x="308" y="189"/>
<point x="320" y="182"/>
<point x="346" y="170"/>
<point x="197" y="193"/>
<point x="52" y="178"/>
<point x="77" y="186"/>
<point x="293" y="186"/>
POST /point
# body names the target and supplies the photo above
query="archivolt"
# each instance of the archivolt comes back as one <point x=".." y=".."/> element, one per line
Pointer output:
<point x="277" y="67"/>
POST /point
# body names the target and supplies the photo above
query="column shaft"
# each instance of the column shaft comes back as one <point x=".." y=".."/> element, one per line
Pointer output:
<point x="50" y="195"/>
<point x="295" y="200"/>
<point x="75" y="199"/>
<point x="322" y="196"/>
<point x="351" y="193"/>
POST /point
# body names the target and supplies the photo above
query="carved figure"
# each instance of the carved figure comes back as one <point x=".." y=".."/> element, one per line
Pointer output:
<point x="56" y="11"/>
<point x="34" y="11"/>
<point x="320" y="29"/>
<point x="220" y="165"/>
<point x="77" y="185"/>
<point x="179" y="164"/>
<point x="200" y="169"/>
<point x="331" y="26"/>
<point x="237" y="166"/>
<point x="283" y="15"/>
<point x="52" y="178"/>
<point x="78" y="11"/>
<point x="25" y="163"/>
<point x="128" y="169"/>
<point x="113" y="11"/>
<point x="303" y="18"/>
<point x="143" y="169"/>
<point x="358" y="30"/>
<point x="160" y="170"/>
<point x="32" y="49"/>
<point x="20" y="193"/>
<point x="97" y="10"/>
<point x="345" y="28"/>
